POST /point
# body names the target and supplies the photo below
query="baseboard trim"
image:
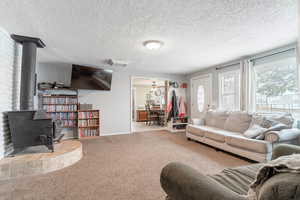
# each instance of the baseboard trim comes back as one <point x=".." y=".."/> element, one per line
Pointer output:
<point x="158" y="129"/>
<point x="116" y="133"/>
<point x="126" y="133"/>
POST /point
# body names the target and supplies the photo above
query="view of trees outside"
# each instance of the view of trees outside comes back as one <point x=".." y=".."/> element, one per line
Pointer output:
<point x="277" y="88"/>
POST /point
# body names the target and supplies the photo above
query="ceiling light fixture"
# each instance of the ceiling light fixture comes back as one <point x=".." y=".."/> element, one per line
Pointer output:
<point x="153" y="44"/>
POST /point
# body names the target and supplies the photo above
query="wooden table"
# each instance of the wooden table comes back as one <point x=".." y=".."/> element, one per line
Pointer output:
<point x="142" y="115"/>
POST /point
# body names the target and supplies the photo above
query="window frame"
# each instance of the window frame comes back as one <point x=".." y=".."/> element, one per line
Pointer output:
<point x="253" y="82"/>
<point x="237" y="89"/>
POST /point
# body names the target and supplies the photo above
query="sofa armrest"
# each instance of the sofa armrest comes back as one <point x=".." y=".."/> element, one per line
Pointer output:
<point x="281" y="186"/>
<point x="284" y="150"/>
<point x="198" y="121"/>
<point x="283" y="135"/>
<point x="183" y="182"/>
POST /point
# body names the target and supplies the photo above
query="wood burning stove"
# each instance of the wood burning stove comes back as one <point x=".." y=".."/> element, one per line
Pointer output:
<point x="33" y="128"/>
<point x="30" y="128"/>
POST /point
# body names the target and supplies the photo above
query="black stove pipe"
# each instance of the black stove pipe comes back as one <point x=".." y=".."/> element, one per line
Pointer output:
<point x="28" y="71"/>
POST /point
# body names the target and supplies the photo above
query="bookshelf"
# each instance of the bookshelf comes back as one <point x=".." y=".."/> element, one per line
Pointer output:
<point x="88" y="123"/>
<point x="63" y="105"/>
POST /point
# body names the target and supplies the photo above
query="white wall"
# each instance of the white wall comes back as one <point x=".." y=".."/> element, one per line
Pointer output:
<point x="54" y="72"/>
<point x="140" y="94"/>
<point x="298" y="42"/>
<point x="114" y="105"/>
<point x="10" y="59"/>
<point x="298" y="32"/>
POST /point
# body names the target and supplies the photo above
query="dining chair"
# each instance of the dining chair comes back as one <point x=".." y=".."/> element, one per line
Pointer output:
<point x="161" y="117"/>
<point x="152" y="115"/>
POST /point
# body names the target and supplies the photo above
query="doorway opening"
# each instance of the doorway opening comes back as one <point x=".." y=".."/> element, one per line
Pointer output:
<point x="148" y="104"/>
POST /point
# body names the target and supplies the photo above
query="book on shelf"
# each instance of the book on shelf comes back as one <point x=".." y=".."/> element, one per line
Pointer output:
<point x="88" y="114"/>
<point x="60" y="100"/>
<point x="63" y="116"/>
<point x="88" y="122"/>
<point x="69" y="123"/>
<point x="59" y="108"/>
<point x="88" y="132"/>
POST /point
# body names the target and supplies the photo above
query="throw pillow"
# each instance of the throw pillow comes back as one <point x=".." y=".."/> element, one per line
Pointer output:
<point x="262" y="121"/>
<point x="278" y="127"/>
<point x="257" y="119"/>
<point x="260" y="137"/>
<point x="285" y="118"/>
<point x="254" y="131"/>
<point x="267" y="123"/>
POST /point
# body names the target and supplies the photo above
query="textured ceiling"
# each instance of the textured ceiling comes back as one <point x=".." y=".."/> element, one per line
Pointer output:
<point x="196" y="33"/>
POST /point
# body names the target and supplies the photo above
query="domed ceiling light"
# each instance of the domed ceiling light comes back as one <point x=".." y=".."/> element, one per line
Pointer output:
<point x="153" y="44"/>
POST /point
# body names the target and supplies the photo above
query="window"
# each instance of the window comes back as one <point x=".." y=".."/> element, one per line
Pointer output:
<point x="229" y="90"/>
<point x="275" y="84"/>
<point x="200" y="98"/>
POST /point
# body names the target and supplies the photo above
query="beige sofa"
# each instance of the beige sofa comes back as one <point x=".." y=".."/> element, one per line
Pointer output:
<point x="226" y="131"/>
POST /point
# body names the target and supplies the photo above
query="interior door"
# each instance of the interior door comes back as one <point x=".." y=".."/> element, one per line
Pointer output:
<point x="201" y="95"/>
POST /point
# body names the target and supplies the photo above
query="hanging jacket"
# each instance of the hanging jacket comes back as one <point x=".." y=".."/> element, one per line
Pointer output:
<point x="169" y="107"/>
<point x="182" y="108"/>
<point x="174" y="111"/>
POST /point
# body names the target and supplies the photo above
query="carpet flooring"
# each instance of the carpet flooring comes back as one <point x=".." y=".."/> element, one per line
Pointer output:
<point x="142" y="127"/>
<point x="122" y="167"/>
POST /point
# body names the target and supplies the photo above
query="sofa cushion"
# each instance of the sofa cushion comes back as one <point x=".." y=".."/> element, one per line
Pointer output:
<point x="217" y="134"/>
<point x="259" y="146"/>
<point x="285" y="118"/>
<point x="195" y="130"/>
<point x="238" y="122"/>
<point x="216" y="118"/>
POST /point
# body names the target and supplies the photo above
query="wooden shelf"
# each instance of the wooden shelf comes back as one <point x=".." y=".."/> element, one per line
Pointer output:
<point x="88" y="118"/>
<point x="88" y="126"/>
<point x="86" y="131"/>
<point x="88" y="110"/>
<point x="67" y="119"/>
<point x="53" y="104"/>
<point x="59" y="111"/>
<point x="44" y="89"/>
<point x="59" y="96"/>
<point x="172" y="126"/>
<point x="175" y="124"/>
